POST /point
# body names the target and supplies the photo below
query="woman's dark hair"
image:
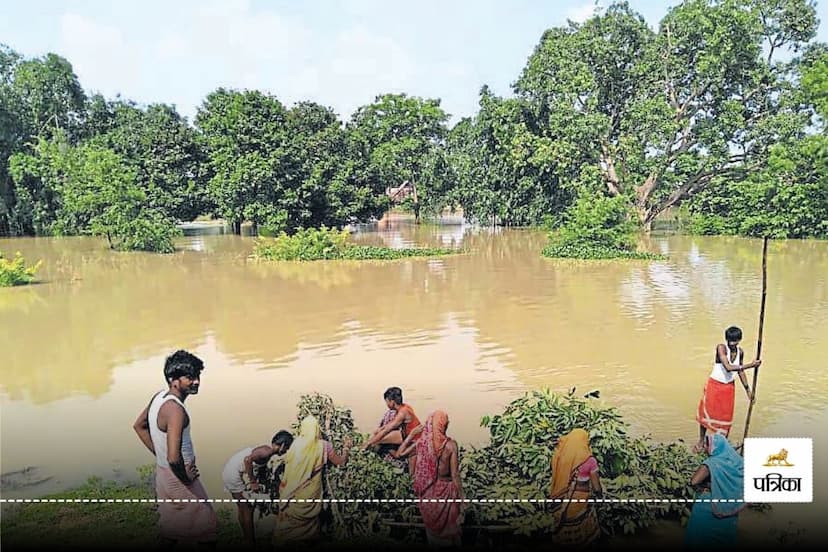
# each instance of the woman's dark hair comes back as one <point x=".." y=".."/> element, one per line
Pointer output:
<point x="182" y="363"/>
<point x="733" y="334"/>
<point x="393" y="394"/>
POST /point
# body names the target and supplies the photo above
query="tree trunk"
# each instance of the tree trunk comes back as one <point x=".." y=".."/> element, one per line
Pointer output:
<point x="255" y="228"/>
<point x="236" y="227"/>
<point x="610" y="174"/>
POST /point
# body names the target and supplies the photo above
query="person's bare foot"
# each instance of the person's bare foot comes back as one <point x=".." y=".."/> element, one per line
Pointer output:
<point x="698" y="447"/>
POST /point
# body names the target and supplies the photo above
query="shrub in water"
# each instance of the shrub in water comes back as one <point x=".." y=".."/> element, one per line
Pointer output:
<point x="15" y="272"/>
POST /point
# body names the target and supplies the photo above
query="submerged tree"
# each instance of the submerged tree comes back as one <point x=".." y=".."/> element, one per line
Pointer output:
<point x="95" y="192"/>
<point x="399" y="135"/>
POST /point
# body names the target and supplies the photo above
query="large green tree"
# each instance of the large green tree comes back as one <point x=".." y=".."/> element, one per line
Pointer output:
<point x="503" y="170"/>
<point x="398" y="134"/>
<point x="245" y="134"/>
<point x="789" y="197"/>
<point x="38" y="97"/>
<point x="170" y="165"/>
<point x="10" y="134"/>
<point x="333" y="182"/>
<point x="662" y="114"/>
<point x="94" y="192"/>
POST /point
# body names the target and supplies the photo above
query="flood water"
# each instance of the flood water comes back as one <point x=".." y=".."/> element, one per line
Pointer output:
<point x="82" y="352"/>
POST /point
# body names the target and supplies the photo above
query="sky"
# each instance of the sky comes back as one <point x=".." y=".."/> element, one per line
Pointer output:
<point x="338" y="53"/>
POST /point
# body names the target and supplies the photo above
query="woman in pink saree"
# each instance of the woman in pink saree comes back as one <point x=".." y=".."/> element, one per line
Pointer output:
<point x="437" y="481"/>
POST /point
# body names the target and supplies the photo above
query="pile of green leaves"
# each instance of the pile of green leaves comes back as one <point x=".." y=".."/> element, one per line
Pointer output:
<point x="314" y="244"/>
<point x="365" y="476"/>
<point x="516" y="465"/>
<point x="14" y="272"/>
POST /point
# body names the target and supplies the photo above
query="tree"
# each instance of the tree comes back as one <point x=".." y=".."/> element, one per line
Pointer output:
<point x="789" y="197"/>
<point x="661" y="115"/>
<point x="502" y="170"/>
<point x="398" y="134"/>
<point x="96" y="192"/>
<point x="333" y="180"/>
<point x="10" y="134"/>
<point x="38" y="97"/>
<point x="244" y="134"/>
<point x="162" y="148"/>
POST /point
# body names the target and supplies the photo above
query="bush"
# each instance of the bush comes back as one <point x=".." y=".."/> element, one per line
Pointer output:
<point x="309" y="244"/>
<point x="148" y="230"/>
<point x="15" y="272"/>
<point x="314" y="244"/>
<point x="596" y="228"/>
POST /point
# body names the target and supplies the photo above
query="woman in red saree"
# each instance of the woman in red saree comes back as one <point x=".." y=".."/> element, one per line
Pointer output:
<point x="437" y="480"/>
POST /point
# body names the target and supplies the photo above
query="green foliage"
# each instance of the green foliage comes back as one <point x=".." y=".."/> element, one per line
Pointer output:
<point x="314" y="244"/>
<point x="815" y="80"/>
<point x="38" y="97"/>
<point x="284" y="169"/>
<point x="659" y="115"/>
<point x="500" y="170"/>
<point x="93" y="191"/>
<point x="400" y="136"/>
<point x="365" y="475"/>
<point x="14" y="272"/>
<point x="305" y="245"/>
<point x="243" y="133"/>
<point x="789" y="199"/>
<point x="516" y="463"/>
<point x="596" y="228"/>
<point x="170" y="166"/>
<point x="365" y="252"/>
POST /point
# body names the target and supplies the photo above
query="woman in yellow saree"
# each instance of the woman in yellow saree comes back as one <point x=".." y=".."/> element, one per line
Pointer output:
<point x="302" y="481"/>
<point x="574" y="480"/>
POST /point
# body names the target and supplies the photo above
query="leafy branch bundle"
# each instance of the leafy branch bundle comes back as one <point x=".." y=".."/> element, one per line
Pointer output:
<point x="515" y="464"/>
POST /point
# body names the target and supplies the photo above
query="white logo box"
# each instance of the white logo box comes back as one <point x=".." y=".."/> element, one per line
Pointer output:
<point x="789" y="480"/>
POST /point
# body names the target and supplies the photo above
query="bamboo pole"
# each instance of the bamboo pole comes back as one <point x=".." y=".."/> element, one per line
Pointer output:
<point x="761" y="328"/>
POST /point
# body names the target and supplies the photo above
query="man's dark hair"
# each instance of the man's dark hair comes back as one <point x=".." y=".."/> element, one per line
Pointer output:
<point x="393" y="394"/>
<point x="733" y="334"/>
<point x="282" y="437"/>
<point x="181" y="363"/>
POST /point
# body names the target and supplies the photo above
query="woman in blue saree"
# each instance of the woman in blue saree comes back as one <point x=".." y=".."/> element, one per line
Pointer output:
<point x="715" y="513"/>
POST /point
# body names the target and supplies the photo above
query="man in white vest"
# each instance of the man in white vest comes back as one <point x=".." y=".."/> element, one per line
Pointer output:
<point x="164" y="428"/>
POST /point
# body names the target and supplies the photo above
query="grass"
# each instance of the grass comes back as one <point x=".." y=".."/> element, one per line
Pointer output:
<point x="96" y="525"/>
